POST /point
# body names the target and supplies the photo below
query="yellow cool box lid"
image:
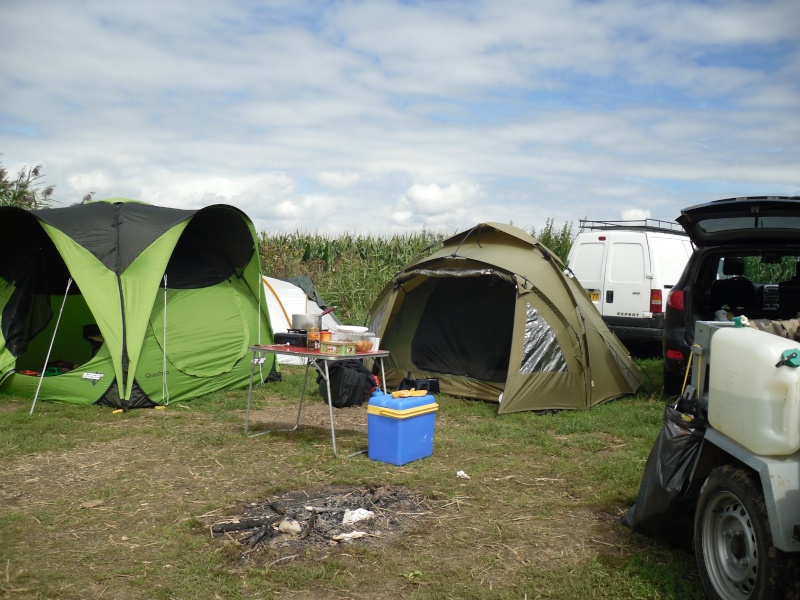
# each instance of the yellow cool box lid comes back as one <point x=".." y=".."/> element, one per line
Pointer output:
<point x="402" y="413"/>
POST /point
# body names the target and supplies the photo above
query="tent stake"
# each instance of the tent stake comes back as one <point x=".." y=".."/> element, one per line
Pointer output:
<point x="50" y="349"/>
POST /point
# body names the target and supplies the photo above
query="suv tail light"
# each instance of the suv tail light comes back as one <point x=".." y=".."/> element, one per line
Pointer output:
<point x="675" y="299"/>
<point x="655" y="301"/>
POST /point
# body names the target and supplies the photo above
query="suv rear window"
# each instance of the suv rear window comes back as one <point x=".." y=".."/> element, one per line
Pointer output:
<point x="748" y="222"/>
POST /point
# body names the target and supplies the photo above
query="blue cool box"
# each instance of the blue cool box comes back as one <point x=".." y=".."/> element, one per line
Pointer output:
<point x="400" y="430"/>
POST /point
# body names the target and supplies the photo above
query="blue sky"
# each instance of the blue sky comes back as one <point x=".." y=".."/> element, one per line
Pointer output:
<point x="386" y="117"/>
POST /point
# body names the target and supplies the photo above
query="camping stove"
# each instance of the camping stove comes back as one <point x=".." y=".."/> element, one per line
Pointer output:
<point x="293" y="337"/>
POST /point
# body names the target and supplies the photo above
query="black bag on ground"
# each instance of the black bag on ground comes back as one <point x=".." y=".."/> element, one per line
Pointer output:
<point x="351" y="383"/>
<point x="664" y="507"/>
<point x="429" y="384"/>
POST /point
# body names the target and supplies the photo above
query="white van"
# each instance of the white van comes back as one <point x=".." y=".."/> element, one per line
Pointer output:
<point x="628" y="268"/>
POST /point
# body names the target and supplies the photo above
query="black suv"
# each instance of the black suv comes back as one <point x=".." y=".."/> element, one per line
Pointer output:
<point x="745" y="263"/>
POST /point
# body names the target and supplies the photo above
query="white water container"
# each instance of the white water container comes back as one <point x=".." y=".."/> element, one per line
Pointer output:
<point x="750" y="399"/>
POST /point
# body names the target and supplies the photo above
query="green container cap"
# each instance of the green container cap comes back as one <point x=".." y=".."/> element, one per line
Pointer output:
<point x="790" y="358"/>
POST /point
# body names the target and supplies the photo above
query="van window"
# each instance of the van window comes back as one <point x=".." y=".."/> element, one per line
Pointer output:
<point x="588" y="262"/>
<point x="627" y="263"/>
<point x="669" y="258"/>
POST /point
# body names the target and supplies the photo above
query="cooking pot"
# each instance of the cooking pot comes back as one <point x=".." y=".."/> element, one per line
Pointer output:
<point x="308" y="321"/>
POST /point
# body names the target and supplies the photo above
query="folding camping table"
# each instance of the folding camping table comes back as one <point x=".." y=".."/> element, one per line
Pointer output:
<point x="310" y="357"/>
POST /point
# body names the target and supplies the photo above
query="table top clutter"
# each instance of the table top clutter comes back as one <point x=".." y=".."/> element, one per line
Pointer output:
<point x="314" y="352"/>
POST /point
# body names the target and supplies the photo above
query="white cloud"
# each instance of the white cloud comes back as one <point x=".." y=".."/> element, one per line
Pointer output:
<point x="94" y="181"/>
<point x="635" y="214"/>
<point x="431" y="200"/>
<point x="339" y="180"/>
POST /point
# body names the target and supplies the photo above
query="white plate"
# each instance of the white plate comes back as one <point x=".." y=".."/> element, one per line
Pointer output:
<point x="351" y="329"/>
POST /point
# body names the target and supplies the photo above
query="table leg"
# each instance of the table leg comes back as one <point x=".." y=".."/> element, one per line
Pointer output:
<point x="383" y="375"/>
<point x="325" y="373"/>
<point x="299" y="407"/>
<point x="330" y="407"/>
<point x="249" y="393"/>
<point x="302" y="396"/>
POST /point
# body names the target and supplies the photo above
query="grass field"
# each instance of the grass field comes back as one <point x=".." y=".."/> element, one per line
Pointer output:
<point x="101" y="505"/>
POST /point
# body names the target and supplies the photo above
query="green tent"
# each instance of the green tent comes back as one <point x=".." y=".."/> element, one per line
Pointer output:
<point x="127" y="304"/>
<point x="492" y="315"/>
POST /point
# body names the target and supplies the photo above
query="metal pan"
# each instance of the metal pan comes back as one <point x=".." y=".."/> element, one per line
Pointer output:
<point x="301" y="321"/>
<point x="306" y="322"/>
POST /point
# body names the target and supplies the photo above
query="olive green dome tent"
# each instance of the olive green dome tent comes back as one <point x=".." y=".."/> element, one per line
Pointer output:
<point x="492" y="315"/>
<point x="127" y="304"/>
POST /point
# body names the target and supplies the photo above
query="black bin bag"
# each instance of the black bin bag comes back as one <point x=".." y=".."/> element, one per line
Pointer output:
<point x="664" y="507"/>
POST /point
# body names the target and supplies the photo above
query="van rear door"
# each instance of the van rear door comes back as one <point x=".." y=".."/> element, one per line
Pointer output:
<point x="588" y="263"/>
<point x="627" y="292"/>
<point x="669" y="256"/>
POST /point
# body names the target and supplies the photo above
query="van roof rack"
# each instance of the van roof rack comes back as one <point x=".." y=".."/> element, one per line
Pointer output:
<point x="632" y="225"/>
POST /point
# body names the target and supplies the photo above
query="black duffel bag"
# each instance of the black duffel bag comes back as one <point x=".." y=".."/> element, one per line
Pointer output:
<point x="429" y="384"/>
<point x="352" y="383"/>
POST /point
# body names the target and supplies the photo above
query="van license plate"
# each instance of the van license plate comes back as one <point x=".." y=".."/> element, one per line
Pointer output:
<point x="594" y="296"/>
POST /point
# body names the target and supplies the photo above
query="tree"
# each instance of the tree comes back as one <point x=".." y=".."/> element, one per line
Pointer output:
<point x="25" y="191"/>
<point x="558" y="241"/>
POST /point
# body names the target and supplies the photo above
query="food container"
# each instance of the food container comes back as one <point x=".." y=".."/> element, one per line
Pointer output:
<point x="364" y="344"/>
<point x="337" y="348"/>
<point x="313" y="338"/>
<point x="357" y="335"/>
<point x="349" y="332"/>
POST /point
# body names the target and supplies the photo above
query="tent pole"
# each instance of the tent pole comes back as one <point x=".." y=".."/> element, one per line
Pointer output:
<point x="587" y="382"/>
<point x="261" y="294"/>
<point x="164" y="386"/>
<point x="52" y="341"/>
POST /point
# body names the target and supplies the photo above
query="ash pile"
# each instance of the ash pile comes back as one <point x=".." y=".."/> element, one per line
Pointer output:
<point x="298" y="521"/>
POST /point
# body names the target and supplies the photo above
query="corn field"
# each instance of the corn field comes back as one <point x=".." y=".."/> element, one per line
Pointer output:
<point x="350" y="271"/>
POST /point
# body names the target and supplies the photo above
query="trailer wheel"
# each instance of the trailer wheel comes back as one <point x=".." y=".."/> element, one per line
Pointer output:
<point x="732" y="541"/>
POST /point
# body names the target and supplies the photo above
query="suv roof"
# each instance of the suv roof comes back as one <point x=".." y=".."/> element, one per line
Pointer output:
<point x="765" y="219"/>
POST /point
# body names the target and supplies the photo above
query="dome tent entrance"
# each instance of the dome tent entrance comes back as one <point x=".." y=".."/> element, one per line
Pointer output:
<point x="492" y="315"/>
<point x="128" y="304"/>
